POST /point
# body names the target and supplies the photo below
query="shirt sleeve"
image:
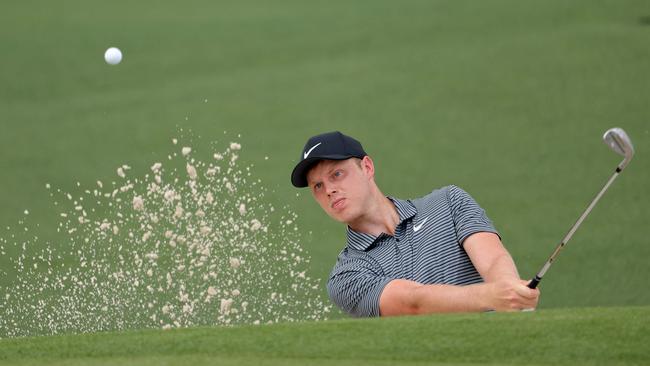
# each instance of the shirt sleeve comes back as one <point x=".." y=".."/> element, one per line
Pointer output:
<point x="355" y="285"/>
<point x="469" y="218"/>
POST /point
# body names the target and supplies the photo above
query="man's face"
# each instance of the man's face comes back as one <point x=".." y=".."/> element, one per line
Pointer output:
<point x="342" y="187"/>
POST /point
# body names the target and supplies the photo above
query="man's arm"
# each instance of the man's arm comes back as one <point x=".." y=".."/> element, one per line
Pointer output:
<point x="502" y="290"/>
<point x="405" y="297"/>
<point x="491" y="259"/>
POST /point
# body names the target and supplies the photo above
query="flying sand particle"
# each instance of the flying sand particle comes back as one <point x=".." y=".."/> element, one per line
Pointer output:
<point x="170" y="195"/>
<point x="255" y="225"/>
<point x="138" y="203"/>
<point x="212" y="291"/>
<point x="226" y="305"/>
<point x="191" y="171"/>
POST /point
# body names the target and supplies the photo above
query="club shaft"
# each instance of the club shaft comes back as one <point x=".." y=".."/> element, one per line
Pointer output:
<point x="535" y="281"/>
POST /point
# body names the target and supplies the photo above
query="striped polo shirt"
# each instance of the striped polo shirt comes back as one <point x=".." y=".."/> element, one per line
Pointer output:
<point x="427" y="248"/>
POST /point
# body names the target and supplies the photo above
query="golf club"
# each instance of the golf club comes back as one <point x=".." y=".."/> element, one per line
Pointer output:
<point x="618" y="141"/>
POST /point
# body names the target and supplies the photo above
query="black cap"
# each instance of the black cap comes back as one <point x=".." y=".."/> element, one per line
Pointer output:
<point x="328" y="146"/>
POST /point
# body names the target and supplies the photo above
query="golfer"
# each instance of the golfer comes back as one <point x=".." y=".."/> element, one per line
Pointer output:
<point x="437" y="253"/>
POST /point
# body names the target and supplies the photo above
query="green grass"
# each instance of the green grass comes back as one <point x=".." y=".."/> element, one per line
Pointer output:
<point x="506" y="99"/>
<point x="589" y="336"/>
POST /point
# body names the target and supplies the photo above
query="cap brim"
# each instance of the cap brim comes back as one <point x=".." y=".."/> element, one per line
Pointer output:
<point x="299" y="174"/>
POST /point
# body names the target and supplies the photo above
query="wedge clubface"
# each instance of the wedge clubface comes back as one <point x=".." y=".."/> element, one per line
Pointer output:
<point x="618" y="141"/>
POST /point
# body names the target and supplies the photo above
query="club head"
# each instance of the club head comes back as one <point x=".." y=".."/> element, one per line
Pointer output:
<point x="618" y="141"/>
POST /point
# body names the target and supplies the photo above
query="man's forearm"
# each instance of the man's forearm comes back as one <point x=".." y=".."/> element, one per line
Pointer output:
<point x="408" y="297"/>
<point x="449" y="298"/>
<point x="503" y="267"/>
<point x="401" y="297"/>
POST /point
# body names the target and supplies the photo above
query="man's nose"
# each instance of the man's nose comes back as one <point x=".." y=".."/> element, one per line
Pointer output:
<point x="330" y="190"/>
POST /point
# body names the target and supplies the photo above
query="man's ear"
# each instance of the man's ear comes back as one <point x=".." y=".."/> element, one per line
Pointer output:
<point x="368" y="166"/>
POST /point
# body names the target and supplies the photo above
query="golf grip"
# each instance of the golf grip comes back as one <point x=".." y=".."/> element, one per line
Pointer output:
<point x="534" y="282"/>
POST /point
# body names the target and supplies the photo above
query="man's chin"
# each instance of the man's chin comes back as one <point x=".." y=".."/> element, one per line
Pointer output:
<point x="342" y="217"/>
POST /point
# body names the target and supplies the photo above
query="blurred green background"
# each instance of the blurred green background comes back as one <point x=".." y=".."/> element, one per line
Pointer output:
<point x="506" y="99"/>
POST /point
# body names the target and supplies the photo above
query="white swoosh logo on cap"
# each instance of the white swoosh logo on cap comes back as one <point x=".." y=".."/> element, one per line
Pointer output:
<point x="417" y="228"/>
<point x="310" y="150"/>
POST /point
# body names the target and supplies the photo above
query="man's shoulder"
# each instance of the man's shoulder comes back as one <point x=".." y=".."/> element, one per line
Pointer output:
<point x="350" y="258"/>
<point x="437" y="194"/>
<point x="348" y="253"/>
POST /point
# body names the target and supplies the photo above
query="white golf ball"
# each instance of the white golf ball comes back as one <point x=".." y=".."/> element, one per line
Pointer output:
<point x="113" y="56"/>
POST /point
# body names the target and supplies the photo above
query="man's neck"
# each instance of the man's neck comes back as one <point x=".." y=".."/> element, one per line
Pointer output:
<point x="381" y="217"/>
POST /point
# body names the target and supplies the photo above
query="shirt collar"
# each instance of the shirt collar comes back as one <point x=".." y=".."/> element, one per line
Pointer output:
<point x="362" y="241"/>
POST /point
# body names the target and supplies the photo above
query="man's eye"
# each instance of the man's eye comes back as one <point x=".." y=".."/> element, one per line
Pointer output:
<point x="338" y="173"/>
<point x="317" y="185"/>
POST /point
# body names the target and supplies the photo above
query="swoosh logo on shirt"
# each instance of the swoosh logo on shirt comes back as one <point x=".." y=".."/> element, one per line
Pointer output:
<point x="417" y="228"/>
<point x="310" y="150"/>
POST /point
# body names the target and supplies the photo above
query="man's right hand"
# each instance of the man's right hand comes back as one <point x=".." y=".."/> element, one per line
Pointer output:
<point x="509" y="295"/>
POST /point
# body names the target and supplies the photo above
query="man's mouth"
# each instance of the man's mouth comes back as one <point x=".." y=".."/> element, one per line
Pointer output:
<point x="338" y="203"/>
